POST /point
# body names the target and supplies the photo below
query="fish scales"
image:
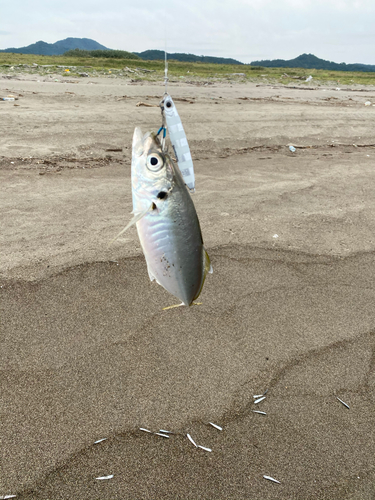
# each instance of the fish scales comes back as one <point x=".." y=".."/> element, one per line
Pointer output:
<point x="169" y="232"/>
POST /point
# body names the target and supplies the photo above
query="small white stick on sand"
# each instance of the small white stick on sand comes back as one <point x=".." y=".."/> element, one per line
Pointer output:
<point x="341" y="401"/>
<point x="145" y="430"/>
<point x="191" y="440"/>
<point x="162" y="435"/>
<point x="100" y="440"/>
<point x="216" y="426"/>
<point x="272" y="479"/>
<point x="260" y="412"/>
<point x="104" y="477"/>
<point x="259" y="400"/>
<point x="260" y="395"/>
<point x="204" y="448"/>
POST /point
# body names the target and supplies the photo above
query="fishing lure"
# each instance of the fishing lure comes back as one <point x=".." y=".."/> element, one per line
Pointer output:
<point x="179" y="141"/>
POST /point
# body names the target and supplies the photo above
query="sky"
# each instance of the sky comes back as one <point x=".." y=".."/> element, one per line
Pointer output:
<point x="246" y="30"/>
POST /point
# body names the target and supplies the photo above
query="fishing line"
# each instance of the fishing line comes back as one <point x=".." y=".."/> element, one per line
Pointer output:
<point x="177" y="136"/>
<point x="163" y="127"/>
<point x="165" y="69"/>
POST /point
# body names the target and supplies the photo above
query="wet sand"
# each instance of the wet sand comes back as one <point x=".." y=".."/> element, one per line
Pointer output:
<point x="87" y="351"/>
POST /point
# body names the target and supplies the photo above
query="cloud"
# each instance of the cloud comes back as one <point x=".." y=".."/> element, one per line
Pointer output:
<point x="243" y="29"/>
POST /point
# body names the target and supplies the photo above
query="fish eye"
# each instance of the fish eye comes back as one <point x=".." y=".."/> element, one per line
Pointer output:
<point x="154" y="162"/>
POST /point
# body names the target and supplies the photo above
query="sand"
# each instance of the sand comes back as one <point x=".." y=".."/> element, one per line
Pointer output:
<point x="87" y="351"/>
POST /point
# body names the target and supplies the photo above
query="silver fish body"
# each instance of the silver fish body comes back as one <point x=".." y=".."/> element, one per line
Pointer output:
<point x="169" y="232"/>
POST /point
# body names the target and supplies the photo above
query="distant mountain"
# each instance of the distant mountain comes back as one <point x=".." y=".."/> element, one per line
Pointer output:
<point x="152" y="55"/>
<point x="58" y="48"/>
<point x="309" y="61"/>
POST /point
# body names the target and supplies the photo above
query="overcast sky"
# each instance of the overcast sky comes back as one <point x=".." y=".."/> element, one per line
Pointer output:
<point x="247" y="30"/>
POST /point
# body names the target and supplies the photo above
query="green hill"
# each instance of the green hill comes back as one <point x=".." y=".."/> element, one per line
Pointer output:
<point x="57" y="48"/>
<point x="309" y="61"/>
<point x="153" y="55"/>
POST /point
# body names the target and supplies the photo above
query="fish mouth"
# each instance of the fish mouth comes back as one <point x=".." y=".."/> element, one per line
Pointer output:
<point x="144" y="142"/>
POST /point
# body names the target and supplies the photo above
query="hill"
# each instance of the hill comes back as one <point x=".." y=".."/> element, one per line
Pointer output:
<point x="309" y="61"/>
<point x="153" y="55"/>
<point x="57" y="48"/>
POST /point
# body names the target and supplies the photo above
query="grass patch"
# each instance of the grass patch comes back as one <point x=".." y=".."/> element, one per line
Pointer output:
<point x="178" y="71"/>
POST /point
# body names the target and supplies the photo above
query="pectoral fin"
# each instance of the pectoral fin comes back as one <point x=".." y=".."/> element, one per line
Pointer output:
<point x="134" y="220"/>
<point x="151" y="276"/>
<point x="208" y="265"/>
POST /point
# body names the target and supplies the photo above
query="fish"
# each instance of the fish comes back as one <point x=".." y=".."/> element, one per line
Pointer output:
<point x="166" y="221"/>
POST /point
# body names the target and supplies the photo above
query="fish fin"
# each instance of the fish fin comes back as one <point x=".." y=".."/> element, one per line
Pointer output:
<point x="150" y="275"/>
<point x="207" y="269"/>
<point x="172" y="307"/>
<point x="208" y="266"/>
<point x="138" y="216"/>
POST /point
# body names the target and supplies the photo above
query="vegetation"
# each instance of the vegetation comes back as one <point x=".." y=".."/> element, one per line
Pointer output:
<point x="158" y="55"/>
<point x="112" y="54"/>
<point x="310" y="61"/>
<point x="190" y="72"/>
<point x="85" y="48"/>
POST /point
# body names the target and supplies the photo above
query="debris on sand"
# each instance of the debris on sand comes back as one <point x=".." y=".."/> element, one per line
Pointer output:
<point x="100" y="440"/>
<point x="259" y="400"/>
<point x="272" y="479"/>
<point x="216" y="426"/>
<point x="191" y="440"/>
<point x="204" y="448"/>
<point x="341" y="401"/>
<point x="146" y="104"/>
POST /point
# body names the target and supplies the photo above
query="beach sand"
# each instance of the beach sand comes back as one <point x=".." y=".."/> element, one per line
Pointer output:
<point x="87" y="351"/>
